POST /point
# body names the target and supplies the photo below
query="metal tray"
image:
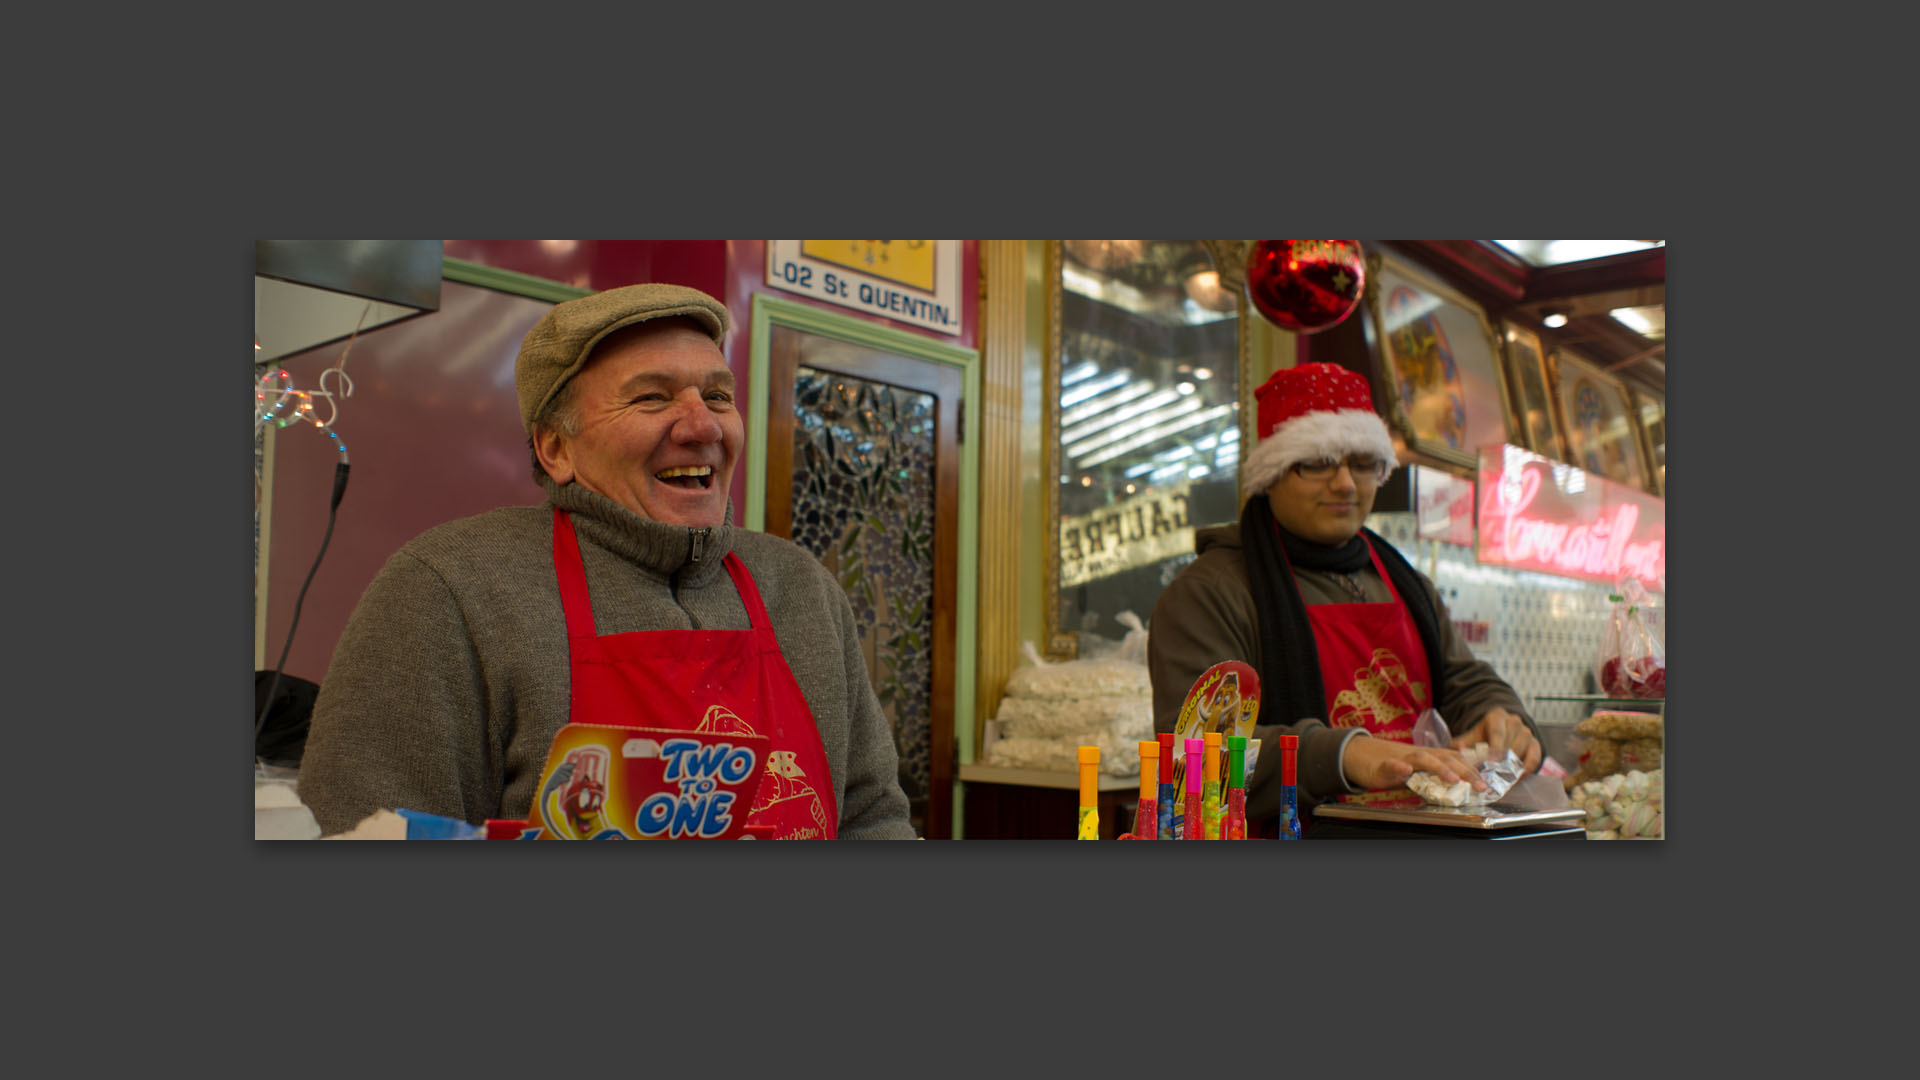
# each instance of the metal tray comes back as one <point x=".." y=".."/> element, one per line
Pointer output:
<point x="1496" y="816"/>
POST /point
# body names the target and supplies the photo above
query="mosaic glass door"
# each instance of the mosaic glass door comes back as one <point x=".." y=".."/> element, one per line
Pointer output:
<point x="863" y="472"/>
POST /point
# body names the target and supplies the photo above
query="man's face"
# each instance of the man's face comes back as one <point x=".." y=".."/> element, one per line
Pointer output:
<point x="1326" y="511"/>
<point x="658" y="429"/>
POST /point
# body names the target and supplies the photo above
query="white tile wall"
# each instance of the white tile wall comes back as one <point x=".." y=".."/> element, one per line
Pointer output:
<point x="1544" y="630"/>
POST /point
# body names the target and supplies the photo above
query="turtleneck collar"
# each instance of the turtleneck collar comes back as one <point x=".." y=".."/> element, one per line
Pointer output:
<point x="1343" y="558"/>
<point x="668" y="549"/>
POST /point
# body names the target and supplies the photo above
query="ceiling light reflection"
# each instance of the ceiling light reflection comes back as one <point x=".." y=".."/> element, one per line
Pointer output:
<point x="1105" y="420"/>
<point x="1091" y="407"/>
<point x="1099" y="386"/>
<point x="1154" y="434"/>
<point x="1120" y="433"/>
<point x="1085" y="369"/>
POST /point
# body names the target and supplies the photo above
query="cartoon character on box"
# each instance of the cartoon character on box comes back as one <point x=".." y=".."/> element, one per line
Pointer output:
<point x="576" y="794"/>
<point x="1225" y="699"/>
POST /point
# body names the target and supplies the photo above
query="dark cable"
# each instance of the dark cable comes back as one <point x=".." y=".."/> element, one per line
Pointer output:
<point x="339" y="489"/>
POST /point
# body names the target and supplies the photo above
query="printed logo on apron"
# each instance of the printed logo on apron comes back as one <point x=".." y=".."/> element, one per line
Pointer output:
<point x="1374" y="669"/>
<point x="1374" y="701"/>
<point x="702" y="680"/>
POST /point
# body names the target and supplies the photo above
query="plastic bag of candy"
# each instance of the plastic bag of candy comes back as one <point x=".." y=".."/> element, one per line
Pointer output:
<point x="1632" y="660"/>
<point x="1500" y="774"/>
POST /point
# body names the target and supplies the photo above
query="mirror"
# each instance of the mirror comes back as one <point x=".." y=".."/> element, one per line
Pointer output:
<point x="1146" y="362"/>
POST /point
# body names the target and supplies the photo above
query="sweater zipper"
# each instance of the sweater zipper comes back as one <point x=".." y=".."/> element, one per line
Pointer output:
<point x="699" y="537"/>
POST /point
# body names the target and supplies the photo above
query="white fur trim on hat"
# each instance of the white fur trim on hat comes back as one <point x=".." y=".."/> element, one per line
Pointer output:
<point x="1316" y="435"/>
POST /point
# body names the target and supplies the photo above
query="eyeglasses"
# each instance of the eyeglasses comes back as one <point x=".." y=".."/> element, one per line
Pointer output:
<point x="1360" y="466"/>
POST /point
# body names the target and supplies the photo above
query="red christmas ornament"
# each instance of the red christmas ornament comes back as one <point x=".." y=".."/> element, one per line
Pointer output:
<point x="1306" y="285"/>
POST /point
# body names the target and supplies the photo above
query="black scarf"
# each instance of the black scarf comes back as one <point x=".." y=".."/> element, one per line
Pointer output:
<point x="1290" y="684"/>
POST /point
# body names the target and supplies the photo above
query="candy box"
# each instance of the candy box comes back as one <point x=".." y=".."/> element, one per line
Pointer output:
<point x="605" y="782"/>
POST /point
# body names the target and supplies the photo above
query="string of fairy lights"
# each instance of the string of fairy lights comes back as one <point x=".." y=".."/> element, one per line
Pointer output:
<point x="277" y="401"/>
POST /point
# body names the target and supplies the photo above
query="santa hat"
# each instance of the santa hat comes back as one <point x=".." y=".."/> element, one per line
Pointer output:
<point x="1313" y="411"/>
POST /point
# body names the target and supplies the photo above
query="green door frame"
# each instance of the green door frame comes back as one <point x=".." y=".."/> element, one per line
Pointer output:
<point x="769" y="312"/>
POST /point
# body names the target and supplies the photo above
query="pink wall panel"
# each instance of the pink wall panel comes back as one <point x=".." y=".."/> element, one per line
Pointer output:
<point x="433" y="432"/>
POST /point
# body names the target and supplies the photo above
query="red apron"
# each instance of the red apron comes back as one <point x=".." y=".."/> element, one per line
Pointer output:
<point x="702" y="680"/>
<point x="1374" y="669"/>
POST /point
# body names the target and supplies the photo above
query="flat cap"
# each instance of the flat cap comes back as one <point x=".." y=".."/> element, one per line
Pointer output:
<point x="558" y="345"/>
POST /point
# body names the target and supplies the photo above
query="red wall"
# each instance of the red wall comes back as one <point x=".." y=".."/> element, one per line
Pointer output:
<point x="604" y="264"/>
<point x="433" y="427"/>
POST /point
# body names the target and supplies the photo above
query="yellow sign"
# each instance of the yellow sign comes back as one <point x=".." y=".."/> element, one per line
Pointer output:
<point x="916" y="282"/>
<point x="1130" y="533"/>
<point x="908" y="262"/>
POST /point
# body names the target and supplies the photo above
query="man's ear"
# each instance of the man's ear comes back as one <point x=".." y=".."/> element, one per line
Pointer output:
<point x="555" y="455"/>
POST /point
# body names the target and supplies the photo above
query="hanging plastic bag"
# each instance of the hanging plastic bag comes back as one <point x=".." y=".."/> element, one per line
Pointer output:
<point x="1632" y="661"/>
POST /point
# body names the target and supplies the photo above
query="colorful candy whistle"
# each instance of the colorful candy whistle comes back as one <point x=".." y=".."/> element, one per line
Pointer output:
<point x="1289" y="812"/>
<point x="1146" y="818"/>
<point x="1211" y="810"/>
<point x="1194" y="827"/>
<point x="1089" y="759"/>
<point x="1237" y="788"/>
<point x="1167" y="792"/>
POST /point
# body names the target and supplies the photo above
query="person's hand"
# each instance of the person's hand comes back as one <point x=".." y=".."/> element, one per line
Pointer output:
<point x="1383" y="763"/>
<point x="1503" y="731"/>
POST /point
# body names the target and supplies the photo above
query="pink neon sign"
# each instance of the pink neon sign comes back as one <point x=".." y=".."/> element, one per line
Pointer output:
<point x="1538" y="514"/>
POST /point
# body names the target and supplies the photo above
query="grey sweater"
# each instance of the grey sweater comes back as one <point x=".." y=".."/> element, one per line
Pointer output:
<point x="1206" y="616"/>
<point x="451" y="678"/>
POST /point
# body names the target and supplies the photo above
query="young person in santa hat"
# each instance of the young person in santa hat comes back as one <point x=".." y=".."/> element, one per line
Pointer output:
<point x="1350" y="642"/>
